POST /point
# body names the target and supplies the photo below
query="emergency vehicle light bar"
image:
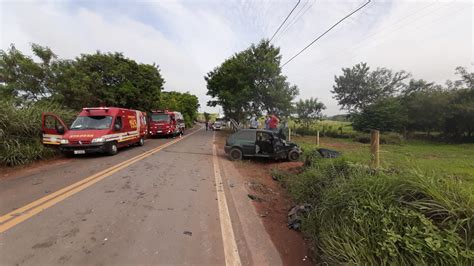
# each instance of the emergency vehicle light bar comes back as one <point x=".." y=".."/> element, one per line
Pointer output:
<point x="95" y="108"/>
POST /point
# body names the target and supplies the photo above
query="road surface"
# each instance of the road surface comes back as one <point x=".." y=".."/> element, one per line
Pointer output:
<point x="172" y="201"/>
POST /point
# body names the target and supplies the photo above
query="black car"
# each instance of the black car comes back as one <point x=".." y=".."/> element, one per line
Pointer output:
<point x="260" y="143"/>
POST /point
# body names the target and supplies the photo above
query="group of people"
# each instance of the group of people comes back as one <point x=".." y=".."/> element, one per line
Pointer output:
<point x="271" y="122"/>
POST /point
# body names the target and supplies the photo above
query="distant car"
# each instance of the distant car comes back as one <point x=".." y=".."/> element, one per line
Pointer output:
<point x="260" y="143"/>
<point x="217" y="125"/>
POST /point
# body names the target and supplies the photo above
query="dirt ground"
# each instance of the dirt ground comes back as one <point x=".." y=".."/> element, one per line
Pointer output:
<point x="272" y="204"/>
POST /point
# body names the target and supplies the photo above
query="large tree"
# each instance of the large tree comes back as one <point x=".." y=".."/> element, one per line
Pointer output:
<point x="109" y="79"/>
<point x="358" y="87"/>
<point x="250" y="82"/>
<point x="308" y="111"/>
<point x="425" y="105"/>
<point x="89" y="80"/>
<point x="385" y="114"/>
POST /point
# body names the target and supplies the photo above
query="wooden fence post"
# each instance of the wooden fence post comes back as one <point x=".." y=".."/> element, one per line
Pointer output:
<point x="374" y="147"/>
<point x="317" y="138"/>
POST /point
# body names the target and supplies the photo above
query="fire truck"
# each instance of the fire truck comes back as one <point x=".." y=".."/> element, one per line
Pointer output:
<point x="166" y="123"/>
<point x="96" y="129"/>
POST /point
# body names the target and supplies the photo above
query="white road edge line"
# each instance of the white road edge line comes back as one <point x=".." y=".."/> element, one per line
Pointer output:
<point x="231" y="252"/>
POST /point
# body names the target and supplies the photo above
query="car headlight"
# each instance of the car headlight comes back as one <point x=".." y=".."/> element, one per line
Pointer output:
<point x="64" y="141"/>
<point x="98" y="140"/>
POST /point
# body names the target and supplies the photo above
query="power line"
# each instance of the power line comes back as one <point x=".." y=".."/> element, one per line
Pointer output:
<point x="285" y="20"/>
<point x="328" y="30"/>
<point x="384" y="29"/>
<point x="295" y="19"/>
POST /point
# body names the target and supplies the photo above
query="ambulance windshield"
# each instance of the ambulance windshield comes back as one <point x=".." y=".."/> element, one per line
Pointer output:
<point x="91" y="122"/>
<point x="160" y="118"/>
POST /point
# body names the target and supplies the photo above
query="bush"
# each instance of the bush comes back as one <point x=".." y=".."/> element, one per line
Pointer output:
<point x="20" y="131"/>
<point x="362" y="216"/>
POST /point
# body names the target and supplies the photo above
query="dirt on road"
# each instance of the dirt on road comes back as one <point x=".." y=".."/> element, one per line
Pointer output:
<point x="272" y="204"/>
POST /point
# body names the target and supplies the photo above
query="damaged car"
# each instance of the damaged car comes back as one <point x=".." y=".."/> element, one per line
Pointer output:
<point x="261" y="143"/>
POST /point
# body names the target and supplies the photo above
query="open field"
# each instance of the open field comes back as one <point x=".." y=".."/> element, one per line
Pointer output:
<point x="447" y="159"/>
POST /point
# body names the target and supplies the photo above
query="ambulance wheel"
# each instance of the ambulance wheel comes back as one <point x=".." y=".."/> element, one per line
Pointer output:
<point x="141" y="142"/>
<point x="113" y="149"/>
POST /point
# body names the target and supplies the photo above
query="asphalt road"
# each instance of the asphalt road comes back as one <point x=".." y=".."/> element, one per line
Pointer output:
<point x="168" y="202"/>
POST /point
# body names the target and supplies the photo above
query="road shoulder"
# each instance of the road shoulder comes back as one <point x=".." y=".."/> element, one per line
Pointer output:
<point x="264" y="223"/>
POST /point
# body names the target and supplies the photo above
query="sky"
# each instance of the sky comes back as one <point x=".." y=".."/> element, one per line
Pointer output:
<point x="187" y="39"/>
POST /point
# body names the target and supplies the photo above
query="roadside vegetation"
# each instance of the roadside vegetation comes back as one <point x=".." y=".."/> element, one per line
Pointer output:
<point x="20" y="131"/>
<point x="46" y="83"/>
<point x="391" y="216"/>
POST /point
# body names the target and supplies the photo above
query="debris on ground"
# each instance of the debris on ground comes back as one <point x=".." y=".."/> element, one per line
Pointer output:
<point x="274" y="177"/>
<point x="326" y="153"/>
<point x="255" y="198"/>
<point x="188" y="233"/>
<point x="295" y="215"/>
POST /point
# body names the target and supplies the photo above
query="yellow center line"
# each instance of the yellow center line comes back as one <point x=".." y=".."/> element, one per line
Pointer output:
<point x="19" y="215"/>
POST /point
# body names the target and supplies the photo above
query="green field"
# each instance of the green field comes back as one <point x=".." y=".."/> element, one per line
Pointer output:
<point x="446" y="159"/>
<point x="327" y="125"/>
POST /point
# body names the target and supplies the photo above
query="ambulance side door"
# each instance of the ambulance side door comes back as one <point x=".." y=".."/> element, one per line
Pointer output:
<point x="53" y="129"/>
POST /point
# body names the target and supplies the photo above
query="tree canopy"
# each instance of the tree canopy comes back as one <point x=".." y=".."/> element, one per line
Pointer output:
<point x="96" y="79"/>
<point x="359" y="87"/>
<point x="185" y="103"/>
<point x="308" y="110"/>
<point x="250" y="82"/>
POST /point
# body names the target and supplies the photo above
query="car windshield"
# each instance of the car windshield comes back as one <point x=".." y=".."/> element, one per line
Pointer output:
<point x="91" y="122"/>
<point x="160" y="118"/>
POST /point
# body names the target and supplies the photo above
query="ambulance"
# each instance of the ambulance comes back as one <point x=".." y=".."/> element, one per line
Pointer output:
<point x="166" y="123"/>
<point x="96" y="129"/>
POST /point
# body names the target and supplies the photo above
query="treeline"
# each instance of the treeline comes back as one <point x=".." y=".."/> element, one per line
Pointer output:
<point x="392" y="102"/>
<point x="46" y="83"/>
<point x="99" y="79"/>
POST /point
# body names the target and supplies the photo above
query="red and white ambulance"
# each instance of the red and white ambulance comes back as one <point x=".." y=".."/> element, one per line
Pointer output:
<point x="96" y="129"/>
<point x="166" y="123"/>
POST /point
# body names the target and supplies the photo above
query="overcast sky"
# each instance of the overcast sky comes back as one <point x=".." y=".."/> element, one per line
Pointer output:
<point x="187" y="39"/>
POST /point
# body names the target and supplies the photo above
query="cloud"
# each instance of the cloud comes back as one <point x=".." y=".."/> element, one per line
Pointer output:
<point x="189" y="38"/>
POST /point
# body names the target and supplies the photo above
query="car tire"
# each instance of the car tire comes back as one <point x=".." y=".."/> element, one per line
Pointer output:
<point x="112" y="149"/>
<point x="141" y="142"/>
<point x="293" y="156"/>
<point x="235" y="154"/>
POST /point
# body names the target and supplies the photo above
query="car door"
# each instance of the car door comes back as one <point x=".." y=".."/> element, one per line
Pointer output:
<point x="248" y="139"/>
<point x="53" y="129"/>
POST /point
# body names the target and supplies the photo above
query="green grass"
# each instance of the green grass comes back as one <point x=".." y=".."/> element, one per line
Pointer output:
<point x="429" y="157"/>
<point x="326" y="126"/>
<point x="367" y="217"/>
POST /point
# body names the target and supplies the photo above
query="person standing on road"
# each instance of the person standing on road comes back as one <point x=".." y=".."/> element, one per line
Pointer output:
<point x="267" y="122"/>
<point x="207" y="125"/>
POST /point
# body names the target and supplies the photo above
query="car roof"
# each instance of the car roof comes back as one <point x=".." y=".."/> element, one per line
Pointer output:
<point x="259" y="130"/>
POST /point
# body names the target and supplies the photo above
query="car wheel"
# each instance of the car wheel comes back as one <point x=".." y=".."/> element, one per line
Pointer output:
<point x="113" y="149"/>
<point x="141" y="142"/>
<point x="293" y="156"/>
<point x="235" y="154"/>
